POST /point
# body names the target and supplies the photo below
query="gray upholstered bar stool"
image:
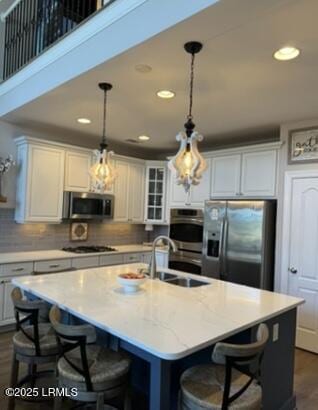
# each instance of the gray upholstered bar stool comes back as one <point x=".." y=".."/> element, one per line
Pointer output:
<point x="34" y="343"/>
<point x="99" y="374"/>
<point x="231" y="382"/>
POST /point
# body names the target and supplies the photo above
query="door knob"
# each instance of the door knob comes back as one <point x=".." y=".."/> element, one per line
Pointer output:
<point x="292" y="270"/>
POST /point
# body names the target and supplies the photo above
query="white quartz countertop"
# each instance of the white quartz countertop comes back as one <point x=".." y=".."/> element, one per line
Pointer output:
<point x="14" y="257"/>
<point x="165" y="320"/>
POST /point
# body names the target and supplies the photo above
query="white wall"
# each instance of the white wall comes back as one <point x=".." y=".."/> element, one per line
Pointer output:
<point x="7" y="147"/>
<point x="283" y="167"/>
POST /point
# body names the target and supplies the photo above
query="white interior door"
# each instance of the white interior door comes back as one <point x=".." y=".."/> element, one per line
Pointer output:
<point x="302" y="258"/>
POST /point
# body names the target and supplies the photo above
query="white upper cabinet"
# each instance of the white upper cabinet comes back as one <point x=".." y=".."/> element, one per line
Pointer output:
<point x="248" y="174"/>
<point x="225" y="176"/>
<point x="155" y="198"/>
<point x="136" y="193"/>
<point x="259" y="173"/>
<point x="198" y="193"/>
<point x="77" y="165"/>
<point x="40" y="182"/>
<point x="129" y="191"/>
<point x="121" y="191"/>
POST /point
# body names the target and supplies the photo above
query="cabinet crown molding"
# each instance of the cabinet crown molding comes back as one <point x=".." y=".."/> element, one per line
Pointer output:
<point x="25" y="139"/>
<point x="244" y="149"/>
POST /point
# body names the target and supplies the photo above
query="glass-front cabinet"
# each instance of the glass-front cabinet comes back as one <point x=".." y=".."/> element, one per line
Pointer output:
<point x="155" y="194"/>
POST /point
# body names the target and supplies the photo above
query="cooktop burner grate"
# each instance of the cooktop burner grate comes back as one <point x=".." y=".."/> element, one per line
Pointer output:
<point x="88" y="249"/>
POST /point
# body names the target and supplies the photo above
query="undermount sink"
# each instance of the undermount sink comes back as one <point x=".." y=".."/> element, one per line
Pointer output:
<point x="180" y="281"/>
<point x="164" y="276"/>
<point x="187" y="282"/>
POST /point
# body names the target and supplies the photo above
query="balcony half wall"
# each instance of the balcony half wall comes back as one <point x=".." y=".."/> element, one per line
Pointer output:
<point x="113" y="30"/>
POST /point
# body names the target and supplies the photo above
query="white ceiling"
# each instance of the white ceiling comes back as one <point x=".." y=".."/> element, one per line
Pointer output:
<point x="241" y="92"/>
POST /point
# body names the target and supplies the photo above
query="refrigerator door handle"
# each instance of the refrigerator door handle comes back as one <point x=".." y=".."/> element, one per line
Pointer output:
<point x="223" y="241"/>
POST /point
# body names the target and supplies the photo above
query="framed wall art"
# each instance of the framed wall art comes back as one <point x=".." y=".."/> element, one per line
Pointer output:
<point x="79" y="231"/>
<point x="303" y="146"/>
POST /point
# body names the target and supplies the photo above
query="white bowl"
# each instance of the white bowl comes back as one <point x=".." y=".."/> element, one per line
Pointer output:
<point x="131" y="285"/>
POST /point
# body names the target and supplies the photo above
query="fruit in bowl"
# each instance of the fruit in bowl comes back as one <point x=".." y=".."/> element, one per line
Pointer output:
<point x="131" y="281"/>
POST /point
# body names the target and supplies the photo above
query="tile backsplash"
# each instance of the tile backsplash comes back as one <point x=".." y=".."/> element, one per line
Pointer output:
<point x="16" y="237"/>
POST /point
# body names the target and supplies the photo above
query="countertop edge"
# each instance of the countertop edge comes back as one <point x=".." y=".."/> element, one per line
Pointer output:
<point x="68" y="255"/>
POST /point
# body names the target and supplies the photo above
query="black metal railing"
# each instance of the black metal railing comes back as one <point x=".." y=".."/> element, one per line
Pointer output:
<point x="34" y="25"/>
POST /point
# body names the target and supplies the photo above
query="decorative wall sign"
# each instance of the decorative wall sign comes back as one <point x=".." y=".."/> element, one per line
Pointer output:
<point x="79" y="231"/>
<point x="303" y="146"/>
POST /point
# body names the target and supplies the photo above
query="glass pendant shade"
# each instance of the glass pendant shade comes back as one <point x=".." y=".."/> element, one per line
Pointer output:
<point x="103" y="173"/>
<point x="188" y="163"/>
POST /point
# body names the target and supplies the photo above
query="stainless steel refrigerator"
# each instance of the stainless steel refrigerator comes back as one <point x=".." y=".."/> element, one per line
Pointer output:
<point x="239" y="241"/>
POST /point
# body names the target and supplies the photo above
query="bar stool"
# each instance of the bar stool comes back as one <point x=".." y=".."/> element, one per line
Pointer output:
<point x="234" y="374"/>
<point x="96" y="372"/>
<point x="34" y="343"/>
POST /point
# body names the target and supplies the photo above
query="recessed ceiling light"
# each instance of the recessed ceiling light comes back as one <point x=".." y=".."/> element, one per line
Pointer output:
<point x="144" y="138"/>
<point x="143" y="68"/>
<point x="84" y="120"/>
<point x="286" y="53"/>
<point x="166" y="94"/>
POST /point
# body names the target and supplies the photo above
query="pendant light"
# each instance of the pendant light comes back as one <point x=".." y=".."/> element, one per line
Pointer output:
<point x="188" y="162"/>
<point x="102" y="172"/>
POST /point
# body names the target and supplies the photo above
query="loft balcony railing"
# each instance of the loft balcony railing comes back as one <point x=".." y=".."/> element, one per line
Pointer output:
<point x="31" y="26"/>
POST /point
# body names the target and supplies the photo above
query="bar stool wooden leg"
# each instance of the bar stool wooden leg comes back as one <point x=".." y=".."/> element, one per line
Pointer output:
<point x="100" y="401"/>
<point x="13" y="379"/>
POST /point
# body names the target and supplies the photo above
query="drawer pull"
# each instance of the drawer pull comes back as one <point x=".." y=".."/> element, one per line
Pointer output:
<point x="55" y="265"/>
<point x="17" y="269"/>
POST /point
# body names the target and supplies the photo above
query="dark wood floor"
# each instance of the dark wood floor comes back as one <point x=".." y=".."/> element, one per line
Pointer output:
<point x="306" y="378"/>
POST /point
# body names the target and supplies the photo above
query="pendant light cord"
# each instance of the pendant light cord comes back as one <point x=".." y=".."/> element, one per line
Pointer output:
<point x="104" y="118"/>
<point x="191" y="86"/>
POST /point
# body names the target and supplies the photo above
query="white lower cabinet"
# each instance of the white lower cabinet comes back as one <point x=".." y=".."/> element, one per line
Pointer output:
<point x="85" y="262"/>
<point x="1" y="299"/>
<point x="6" y="305"/>
<point x="108" y="260"/>
<point x="8" y="310"/>
<point x="17" y="269"/>
<point x="162" y="259"/>
<point x="51" y="266"/>
<point x="133" y="257"/>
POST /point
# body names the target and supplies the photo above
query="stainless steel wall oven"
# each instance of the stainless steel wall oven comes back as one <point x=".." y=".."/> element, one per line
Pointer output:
<point x="186" y="229"/>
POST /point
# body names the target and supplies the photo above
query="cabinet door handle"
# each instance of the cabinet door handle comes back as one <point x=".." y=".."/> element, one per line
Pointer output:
<point x="17" y="269"/>
<point x="55" y="265"/>
<point x="292" y="270"/>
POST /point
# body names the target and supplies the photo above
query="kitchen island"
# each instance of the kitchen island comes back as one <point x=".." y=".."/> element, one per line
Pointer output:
<point x="171" y="327"/>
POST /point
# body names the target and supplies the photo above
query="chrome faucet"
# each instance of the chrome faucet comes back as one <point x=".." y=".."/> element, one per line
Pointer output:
<point x="153" y="265"/>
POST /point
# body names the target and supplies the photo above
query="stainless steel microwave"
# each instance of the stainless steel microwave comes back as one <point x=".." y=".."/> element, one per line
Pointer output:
<point x="87" y="205"/>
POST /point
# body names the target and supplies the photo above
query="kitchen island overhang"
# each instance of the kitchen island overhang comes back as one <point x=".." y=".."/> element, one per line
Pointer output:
<point x="165" y="323"/>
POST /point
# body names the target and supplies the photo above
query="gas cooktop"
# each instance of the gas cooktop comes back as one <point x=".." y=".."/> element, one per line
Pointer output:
<point x="89" y="249"/>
